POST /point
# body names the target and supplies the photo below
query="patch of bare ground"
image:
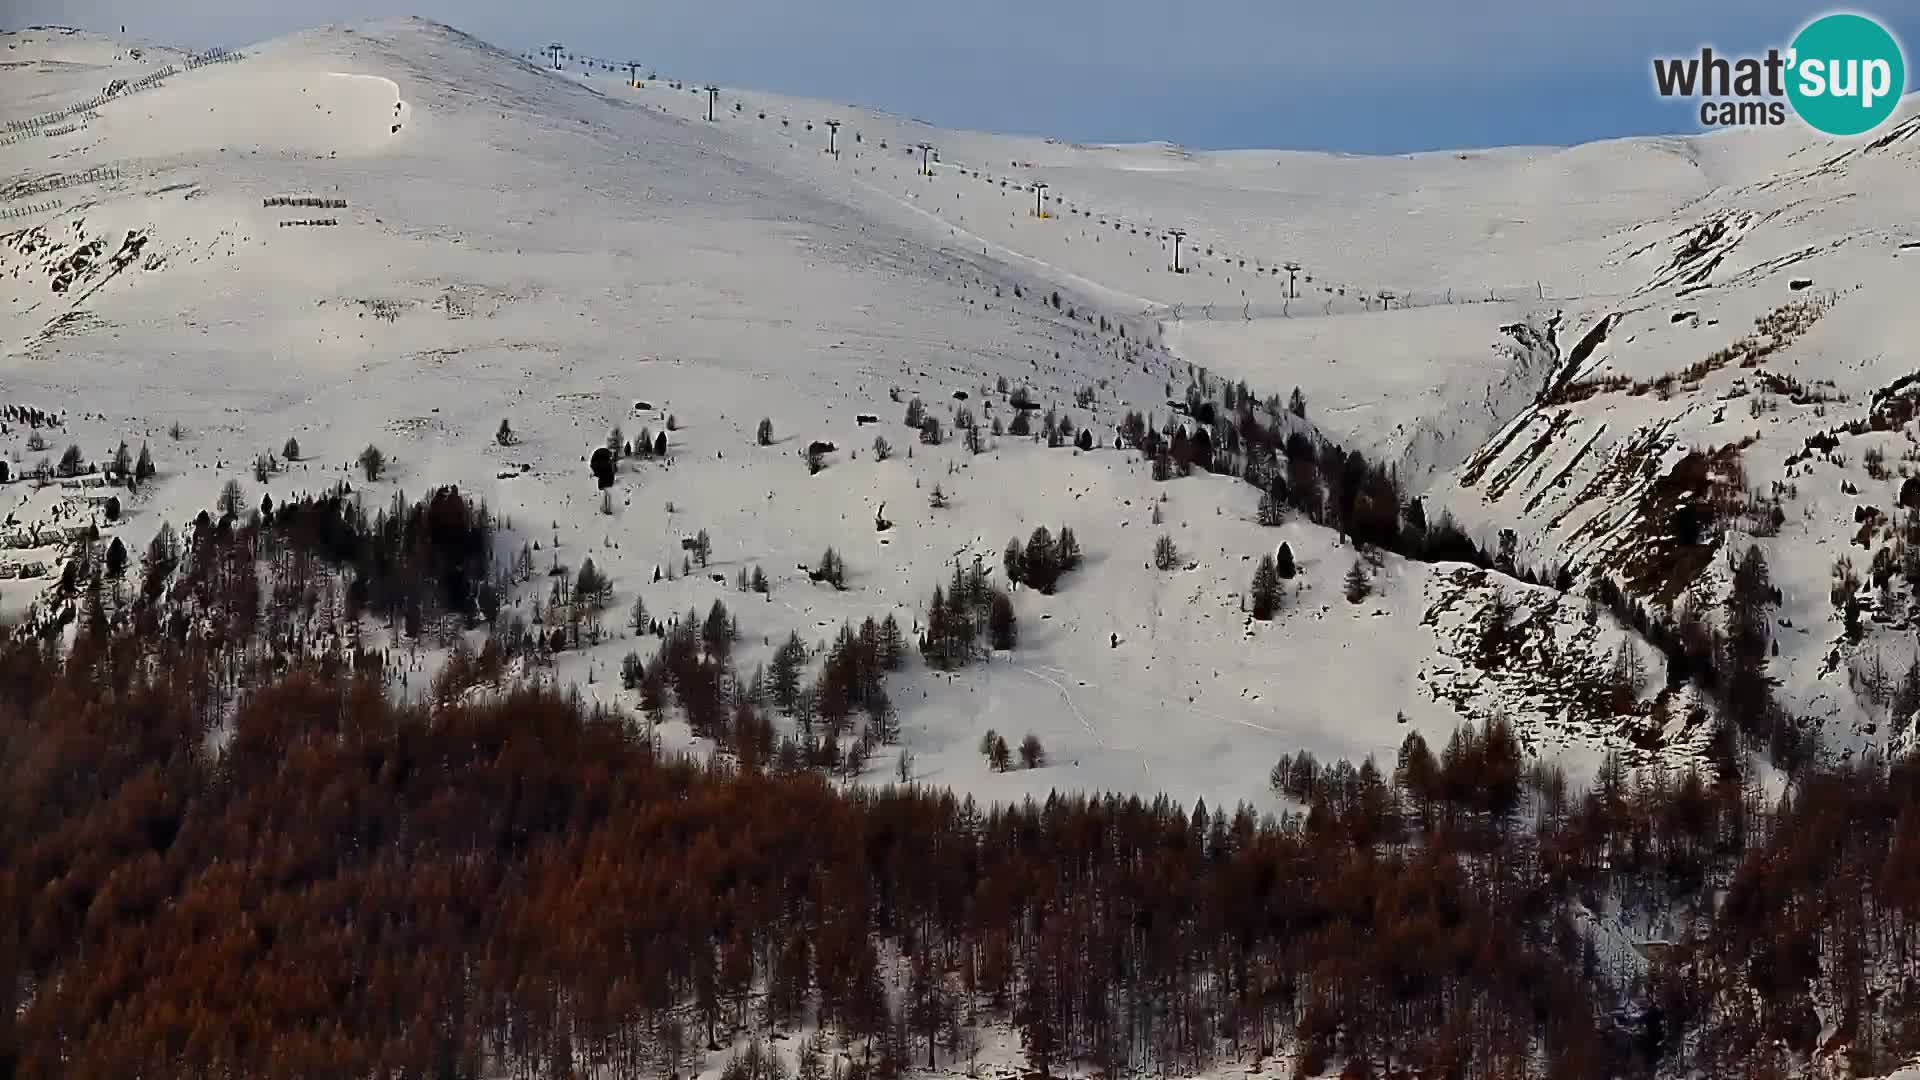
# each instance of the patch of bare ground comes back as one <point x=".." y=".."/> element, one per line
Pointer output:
<point x="1683" y="520"/>
<point x="1772" y="332"/>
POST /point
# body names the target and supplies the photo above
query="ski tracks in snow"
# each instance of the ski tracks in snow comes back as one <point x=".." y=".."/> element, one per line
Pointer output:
<point x="1067" y="696"/>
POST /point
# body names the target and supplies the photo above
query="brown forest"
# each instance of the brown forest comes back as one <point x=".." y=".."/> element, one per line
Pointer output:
<point x="341" y="886"/>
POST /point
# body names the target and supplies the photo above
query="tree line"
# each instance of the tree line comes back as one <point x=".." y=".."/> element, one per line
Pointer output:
<point x="345" y="885"/>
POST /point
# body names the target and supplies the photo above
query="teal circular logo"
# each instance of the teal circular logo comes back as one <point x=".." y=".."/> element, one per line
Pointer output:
<point x="1846" y="74"/>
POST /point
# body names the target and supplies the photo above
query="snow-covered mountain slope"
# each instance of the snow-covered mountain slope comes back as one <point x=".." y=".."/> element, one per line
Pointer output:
<point x="51" y="70"/>
<point x="1565" y="327"/>
<point x="1753" y="387"/>
<point x="393" y="234"/>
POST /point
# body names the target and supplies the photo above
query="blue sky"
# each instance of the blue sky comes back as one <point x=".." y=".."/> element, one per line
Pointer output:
<point x="1369" y="76"/>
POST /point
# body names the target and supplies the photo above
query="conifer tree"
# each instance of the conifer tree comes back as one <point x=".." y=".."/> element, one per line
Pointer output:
<point x="591" y="588"/>
<point x="1264" y="595"/>
<point x="233" y="500"/>
<point x="717" y="633"/>
<point x="1359" y="584"/>
<point x="1166" y="556"/>
<point x="783" y="677"/>
<point x="832" y="569"/>
<point x="1002" y="630"/>
<point x="1032" y="754"/>
<point x="1272" y="510"/>
<point x="1283" y="562"/>
<point x="1040" y="564"/>
<point x="893" y="647"/>
<point x="1068" y="555"/>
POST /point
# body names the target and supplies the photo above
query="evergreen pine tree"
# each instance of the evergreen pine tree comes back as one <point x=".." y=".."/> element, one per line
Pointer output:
<point x="1283" y="562"/>
<point x="783" y="677"/>
<point x="999" y="756"/>
<point x="1272" y="510"/>
<point x="1032" y="754"/>
<point x="1359" y="584"/>
<point x="1165" y="555"/>
<point x="717" y="633"/>
<point x="1264" y="595"/>
<point x="1041" y="562"/>
<point x="591" y="588"/>
<point x="831" y="569"/>
<point x="893" y="645"/>
<point x="1069" y="550"/>
<point x="233" y="500"/>
<point x="1002" y="630"/>
<point x="933" y="643"/>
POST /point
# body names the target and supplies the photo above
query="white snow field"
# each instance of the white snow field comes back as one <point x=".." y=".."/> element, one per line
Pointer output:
<point x="570" y="254"/>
